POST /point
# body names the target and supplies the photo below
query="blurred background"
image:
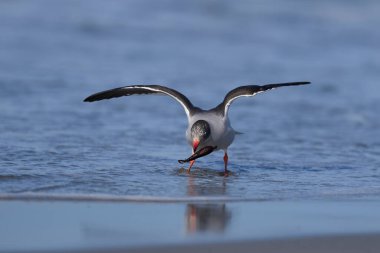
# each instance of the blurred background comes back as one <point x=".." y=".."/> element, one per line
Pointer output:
<point x="317" y="141"/>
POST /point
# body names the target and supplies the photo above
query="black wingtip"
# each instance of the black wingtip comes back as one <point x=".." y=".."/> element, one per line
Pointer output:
<point x="97" y="96"/>
<point x="300" y="83"/>
<point x="88" y="99"/>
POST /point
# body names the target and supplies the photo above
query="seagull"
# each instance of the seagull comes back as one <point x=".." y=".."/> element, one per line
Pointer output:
<point x="206" y="128"/>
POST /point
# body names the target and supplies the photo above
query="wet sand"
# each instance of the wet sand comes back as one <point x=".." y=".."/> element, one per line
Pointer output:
<point x="334" y="244"/>
<point x="102" y="225"/>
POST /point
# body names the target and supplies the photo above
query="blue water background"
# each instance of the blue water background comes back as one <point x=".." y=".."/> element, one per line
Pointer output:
<point x="319" y="141"/>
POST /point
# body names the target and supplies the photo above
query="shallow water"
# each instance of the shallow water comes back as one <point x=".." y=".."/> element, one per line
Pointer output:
<point x="320" y="141"/>
<point x="30" y="226"/>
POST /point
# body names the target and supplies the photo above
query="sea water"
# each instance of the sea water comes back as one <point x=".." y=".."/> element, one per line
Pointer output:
<point x="318" y="141"/>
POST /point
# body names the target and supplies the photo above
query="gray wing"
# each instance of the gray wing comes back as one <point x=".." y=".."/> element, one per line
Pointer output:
<point x="143" y="89"/>
<point x="248" y="91"/>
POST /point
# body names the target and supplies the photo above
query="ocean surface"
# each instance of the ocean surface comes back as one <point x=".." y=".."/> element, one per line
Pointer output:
<point x="320" y="141"/>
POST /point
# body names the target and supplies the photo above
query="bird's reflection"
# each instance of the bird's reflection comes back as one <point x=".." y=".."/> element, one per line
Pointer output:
<point x="212" y="218"/>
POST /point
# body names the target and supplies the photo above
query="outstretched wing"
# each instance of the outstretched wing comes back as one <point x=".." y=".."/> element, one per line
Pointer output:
<point x="248" y="91"/>
<point x="143" y="89"/>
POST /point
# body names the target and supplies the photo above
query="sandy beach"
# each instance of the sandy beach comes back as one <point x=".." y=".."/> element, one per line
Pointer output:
<point x="328" y="244"/>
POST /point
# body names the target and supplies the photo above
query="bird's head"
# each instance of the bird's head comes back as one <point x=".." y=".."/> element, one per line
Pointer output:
<point x="200" y="132"/>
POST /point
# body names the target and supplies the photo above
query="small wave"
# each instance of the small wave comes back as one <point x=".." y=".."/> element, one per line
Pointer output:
<point x="122" y="198"/>
<point x="48" y="187"/>
<point x="16" y="177"/>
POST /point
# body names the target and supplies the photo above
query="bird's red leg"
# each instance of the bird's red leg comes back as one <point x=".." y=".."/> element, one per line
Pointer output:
<point x="195" y="146"/>
<point x="225" y="158"/>
<point x="191" y="165"/>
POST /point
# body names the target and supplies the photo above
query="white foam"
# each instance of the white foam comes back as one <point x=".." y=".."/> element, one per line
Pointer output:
<point x="120" y="198"/>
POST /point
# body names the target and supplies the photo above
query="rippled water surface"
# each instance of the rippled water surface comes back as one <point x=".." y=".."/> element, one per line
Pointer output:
<point x="319" y="141"/>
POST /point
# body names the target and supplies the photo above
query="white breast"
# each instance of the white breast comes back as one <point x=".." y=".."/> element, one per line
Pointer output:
<point x="222" y="134"/>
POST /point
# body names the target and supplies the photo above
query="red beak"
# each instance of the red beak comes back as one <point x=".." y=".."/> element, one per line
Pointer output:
<point x="195" y="144"/>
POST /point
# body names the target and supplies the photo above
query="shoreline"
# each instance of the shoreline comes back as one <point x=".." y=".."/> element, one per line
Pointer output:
<point x="98" y="197"/>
